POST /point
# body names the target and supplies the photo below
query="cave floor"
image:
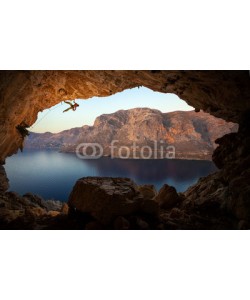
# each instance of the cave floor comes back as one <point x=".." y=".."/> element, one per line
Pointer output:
<point x="17" y="213"/>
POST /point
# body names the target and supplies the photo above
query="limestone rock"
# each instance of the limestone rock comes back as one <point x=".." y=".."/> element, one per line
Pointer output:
<point x="54" y="205"/>
<point x="4" y="182"/>
<point x="7" y="215"/>
<point x="226" y="191"/>
<point x="65" y="209"/>
<point x="105" y="198"/>
<point x="37" y="201"/>
<point x="167" y="197"/>
<point x="148" y="191"/>
<point x="27" y="212"/>
<point x="35" y="212"/>
<point x="53" y="213"/>
<point x="209" y="192"/>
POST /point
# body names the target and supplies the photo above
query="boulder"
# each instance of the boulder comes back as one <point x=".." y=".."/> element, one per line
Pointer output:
<point x="105" y="198"/>
<point x="52" y="205"/>
<point x="14" y="200"/>
<point x="65" y="209"/>
<point x="35" y="212"/>
<point x="9" y="215"/>
<point x="148" y="191"/>
<point x="53" y="213"/>
<point x="208" y="194"/>
<point x="30" y="199"/>
<point x="167" y="197"/>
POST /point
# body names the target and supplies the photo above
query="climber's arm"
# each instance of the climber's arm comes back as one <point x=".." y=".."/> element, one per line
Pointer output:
<point x="68" y="103"/>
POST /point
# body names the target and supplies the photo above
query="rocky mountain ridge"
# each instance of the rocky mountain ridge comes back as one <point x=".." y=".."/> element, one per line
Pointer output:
<point x="192" y="134"/>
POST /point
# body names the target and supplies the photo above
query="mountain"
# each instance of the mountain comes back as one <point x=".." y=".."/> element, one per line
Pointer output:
<point x="192" y="134"/>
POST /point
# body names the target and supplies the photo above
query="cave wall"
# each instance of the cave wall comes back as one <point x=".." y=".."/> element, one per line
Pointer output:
<point x="4" y="182"/>
<point x="23" y="94"/>
<point x="228" y="189"/>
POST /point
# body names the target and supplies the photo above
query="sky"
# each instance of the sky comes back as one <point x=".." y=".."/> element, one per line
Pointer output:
<point x="54" y="120"/>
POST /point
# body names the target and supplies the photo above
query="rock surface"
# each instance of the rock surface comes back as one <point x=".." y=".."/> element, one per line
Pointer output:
<point x="26" y="212"/>
<point x="30" y="212"/>
<point x="105" y="198"/>
<point x="167" y="197"/>
<point x="4" y="182"/>
<point x="148" y="191"/>
<point x="192" y="134"/>
<point x="228" y="189"/>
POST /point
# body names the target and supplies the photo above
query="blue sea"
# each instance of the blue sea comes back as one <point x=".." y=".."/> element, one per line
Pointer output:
<point x="52" y="175"/>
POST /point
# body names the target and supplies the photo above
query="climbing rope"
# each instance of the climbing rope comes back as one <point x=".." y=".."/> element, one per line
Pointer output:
<point x="50" y="110"/>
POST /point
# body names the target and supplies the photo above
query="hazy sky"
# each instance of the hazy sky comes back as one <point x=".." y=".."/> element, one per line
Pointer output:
<point x="56" y="120"/>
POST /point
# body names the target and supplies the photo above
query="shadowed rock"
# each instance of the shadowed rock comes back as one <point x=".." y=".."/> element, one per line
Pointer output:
<point x="167" y="197"/>
<point x="4" y="182"/>
<point x="148" y="191"/>
<point x="105" y="198"/>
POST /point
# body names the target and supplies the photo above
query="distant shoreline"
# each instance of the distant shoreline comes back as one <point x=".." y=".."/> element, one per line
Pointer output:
<point x="129" y="158"/>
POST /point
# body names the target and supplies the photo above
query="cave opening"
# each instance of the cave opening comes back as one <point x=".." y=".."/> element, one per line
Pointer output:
<point x="55" y="120"/>
<point x="151" y="121"/>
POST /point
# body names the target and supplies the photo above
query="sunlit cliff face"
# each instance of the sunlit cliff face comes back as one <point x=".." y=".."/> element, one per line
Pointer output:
<point x="23" y="94"/>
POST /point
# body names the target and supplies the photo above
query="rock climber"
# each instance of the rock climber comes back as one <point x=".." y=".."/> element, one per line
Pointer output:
<point x="72" y="106"/>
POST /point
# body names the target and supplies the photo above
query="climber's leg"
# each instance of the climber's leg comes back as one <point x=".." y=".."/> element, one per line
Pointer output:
<point x="67" y="109"/>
